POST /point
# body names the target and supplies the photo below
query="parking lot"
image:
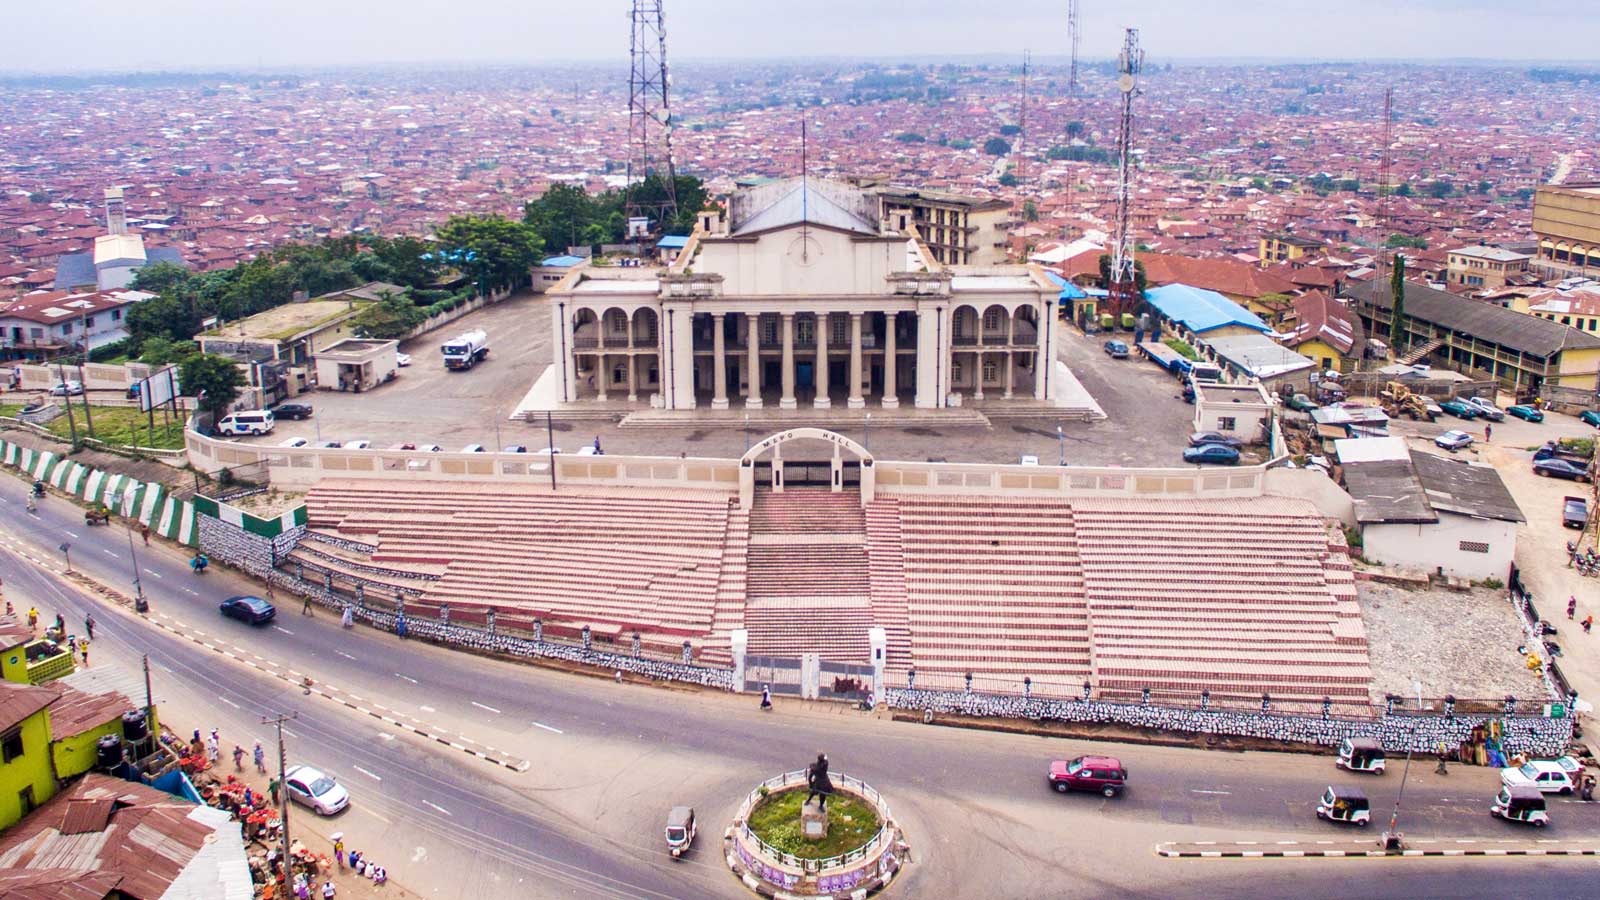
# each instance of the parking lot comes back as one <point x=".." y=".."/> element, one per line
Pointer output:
<point x="1147" y="422"/>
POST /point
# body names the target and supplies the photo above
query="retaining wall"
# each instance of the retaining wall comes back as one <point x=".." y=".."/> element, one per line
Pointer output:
<point x="1537" y="736"/>
<point x="150" y="503"/>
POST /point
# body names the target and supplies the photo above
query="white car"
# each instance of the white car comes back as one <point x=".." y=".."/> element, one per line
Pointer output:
<point x="1454" y="440"/>
<point x="402" y="359"/>
<point x="1548" y="775"/>
<point x="67" y="389"/>
<point x="1030" y="460"/>
<point x="473" y="448"/>
<point x="316" y="789"/>
<point x="294" y="442"/>
<point x="357" y="445"/>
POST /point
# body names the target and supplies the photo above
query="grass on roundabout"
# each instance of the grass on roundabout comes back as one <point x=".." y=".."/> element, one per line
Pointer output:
<point x="776" y="820"/>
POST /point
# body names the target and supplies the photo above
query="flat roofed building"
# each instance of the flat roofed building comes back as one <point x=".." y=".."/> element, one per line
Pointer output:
<point x="1483" y="268"/>
<point x="958" y="229"/>
<point x="1566" y="221"/>
<point x="801" y="293"/>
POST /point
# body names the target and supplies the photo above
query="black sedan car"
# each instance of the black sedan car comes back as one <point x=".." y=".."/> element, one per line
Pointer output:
<point x="253" y="610"/>
<point x="1201" y="438"/>
<point x="292" y="411"/>
<point x="1555" y="467"/>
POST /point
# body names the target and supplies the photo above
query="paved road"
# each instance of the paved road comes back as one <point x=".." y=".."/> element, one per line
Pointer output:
<point x="607" y="760"/>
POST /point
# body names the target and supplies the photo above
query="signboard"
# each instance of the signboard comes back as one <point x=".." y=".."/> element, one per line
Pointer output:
<point x="158" y="389"/>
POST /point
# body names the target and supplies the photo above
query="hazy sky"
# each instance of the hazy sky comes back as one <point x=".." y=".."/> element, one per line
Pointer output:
<point x="66" y="35"/>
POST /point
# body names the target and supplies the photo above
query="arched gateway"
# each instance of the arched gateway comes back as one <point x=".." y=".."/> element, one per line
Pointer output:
<point x="747" y="463"/>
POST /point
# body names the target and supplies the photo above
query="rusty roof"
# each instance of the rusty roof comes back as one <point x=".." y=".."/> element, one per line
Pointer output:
<point x="19" y="701"/>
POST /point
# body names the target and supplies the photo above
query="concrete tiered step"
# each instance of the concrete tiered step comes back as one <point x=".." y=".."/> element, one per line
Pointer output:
<point x="807" y="579"/>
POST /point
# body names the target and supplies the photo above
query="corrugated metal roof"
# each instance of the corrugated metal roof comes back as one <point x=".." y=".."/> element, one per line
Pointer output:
<point x="1201" y="310"/>
<point x="19" y="701"/>
<point x="1484" y="321"/>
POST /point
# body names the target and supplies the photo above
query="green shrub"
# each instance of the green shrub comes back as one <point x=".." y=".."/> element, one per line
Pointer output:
<point x="1181" y="347"/>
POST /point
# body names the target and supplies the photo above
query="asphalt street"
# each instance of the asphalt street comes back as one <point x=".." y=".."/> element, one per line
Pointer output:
<point x="607" y="760"/>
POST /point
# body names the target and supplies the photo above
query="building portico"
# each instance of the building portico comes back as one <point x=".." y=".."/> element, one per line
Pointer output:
<point x="792" y="302"/>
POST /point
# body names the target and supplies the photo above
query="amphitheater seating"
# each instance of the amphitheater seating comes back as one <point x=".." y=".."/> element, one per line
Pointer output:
<point x="807" y="582"/>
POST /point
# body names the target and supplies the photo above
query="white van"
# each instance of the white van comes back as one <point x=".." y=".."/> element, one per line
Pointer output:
<point x="248" y="421"/>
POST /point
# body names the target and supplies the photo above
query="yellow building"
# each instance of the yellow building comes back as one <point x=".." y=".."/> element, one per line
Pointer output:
<point x="1277" y="248"/>
<point x="1579" y="309"/>
<point x="1483" y="268"/>
<point x="1566" y="220"/>
<point x="27" y="777"/>
<point x="1322" y="329"/>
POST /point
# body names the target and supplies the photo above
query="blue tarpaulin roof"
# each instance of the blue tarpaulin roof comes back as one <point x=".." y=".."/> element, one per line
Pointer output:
<point x="1069" y="291"/>
<point x="562" y="261"/>
<point x="673" y="241"/>
<point x="1200" y="310"/>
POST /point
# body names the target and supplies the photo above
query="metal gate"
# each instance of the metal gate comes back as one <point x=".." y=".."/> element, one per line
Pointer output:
<point x="844" y="681"/>
<point x="781" y="673"/>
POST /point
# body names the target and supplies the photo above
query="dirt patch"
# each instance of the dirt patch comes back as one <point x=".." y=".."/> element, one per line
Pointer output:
<point x="920" y="431"/>
<point x="1454" y="642"/>
<point x="694" y="437"/>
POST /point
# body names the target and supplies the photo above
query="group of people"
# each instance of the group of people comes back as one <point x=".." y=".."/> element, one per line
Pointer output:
<point x="363" y="867"/>
<point x="1572" y="613"/>
<point x="76" y="646"/>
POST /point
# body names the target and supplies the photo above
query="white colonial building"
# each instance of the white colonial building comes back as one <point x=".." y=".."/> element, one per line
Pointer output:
<point x="803" y="293"/>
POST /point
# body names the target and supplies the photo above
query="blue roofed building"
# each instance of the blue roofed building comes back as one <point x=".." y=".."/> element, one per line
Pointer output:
<point x="1073" y="302"/>
<point x="1203" y="313"/>
<point x="668" y="248"/>
<point x="552" y="269"/>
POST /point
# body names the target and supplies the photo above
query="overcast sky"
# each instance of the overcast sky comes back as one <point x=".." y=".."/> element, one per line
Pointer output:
<point x="120" y="35"/>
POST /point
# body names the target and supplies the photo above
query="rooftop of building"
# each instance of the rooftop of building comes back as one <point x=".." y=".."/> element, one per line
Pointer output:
<point x="1201" y="310"/>
<point x="1484" y="321"/>
<point x="286" y="322"/>
<point x="1416" y="488"/>
<point x="1494" y="254"/>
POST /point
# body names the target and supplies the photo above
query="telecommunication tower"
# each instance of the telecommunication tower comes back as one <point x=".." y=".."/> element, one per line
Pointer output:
<point x="1123" y="283"/>
<point x="1382" y="277"/>
<point x="1022" y="128"/>
<point x="1072" y="41"/>
<point x="649" y="115"/>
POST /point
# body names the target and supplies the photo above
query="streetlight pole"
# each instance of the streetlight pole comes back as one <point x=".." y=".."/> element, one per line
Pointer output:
<point x="497" y="441"/>
<point x="1061" y="440"/>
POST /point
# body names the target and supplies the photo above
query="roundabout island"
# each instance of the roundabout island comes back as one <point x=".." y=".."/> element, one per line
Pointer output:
<point x="808" y="834"/>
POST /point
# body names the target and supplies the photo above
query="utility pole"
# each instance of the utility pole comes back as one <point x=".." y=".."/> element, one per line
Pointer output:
<point x="283" y="791"/>
<point x="149" y="698"/>
<point x="550" y="434"/>
<point x="72" y="425"/>
<point x="1022" y="129"/>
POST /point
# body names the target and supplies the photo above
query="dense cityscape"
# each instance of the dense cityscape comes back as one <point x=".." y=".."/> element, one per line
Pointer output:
<point x="560" y="473"/>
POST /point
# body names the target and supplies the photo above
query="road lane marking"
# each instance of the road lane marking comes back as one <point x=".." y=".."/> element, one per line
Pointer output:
<point x="110" y="552"/>
<point x="71" y="533"/>
<point x="489" y="708"/>
<point x="283" y="629"/>
<point x="344" y="654"/>
<point x="290" y="733"/>
<point x="230" y="703"/>
<point x="192" y="591"/>
<point x="151" y="573"/>
<point x="366" y="773"/>
<point x="439" y="808"/>
<point x="407" y="678"/>
<point x="1192" y="791"/>
<point x="424" y="709"/>
<point x="548" y="728"/>
<point x="386" y="735"/>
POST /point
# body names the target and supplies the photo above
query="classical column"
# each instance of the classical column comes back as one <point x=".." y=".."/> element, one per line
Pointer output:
<point x="856" y="400"/>
<point x="633" y="379"/>
<point x="602" y="378"/>
<point x="891" y="399"/>
<point x="719" y="370"/>
<point x="821" y="374"/>
<point x="1045" y="357"/>
<point x="752" y="340"/>
<point x="787" y="400"/>
<point x="928" y="351"/>
<point x="1011" y="357"/>
<point x="977" y="375"/>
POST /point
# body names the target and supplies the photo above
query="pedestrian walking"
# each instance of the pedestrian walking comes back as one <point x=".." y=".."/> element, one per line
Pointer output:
<point x="33" y="617"/>
<point x="144" y="532"/>
<point x="338" y="847"/>
<point x="272" y="788"/>
<point x="238" y="758"/>
<point x="61" y="624"/>
<point x="88" y="625"/>
<point x="349" y="617"/>
<point x="1572" y="606"/>
<point x="400" y="625"/>
<point x="327" y="890"/>
<point x="1488" y="431"/>
<point x="213" y="746"/>
<point x="83" y="648"/>
<point x="1588" y="622"/>
<point x="261" y="759"/>
<point x="305" y="609"/>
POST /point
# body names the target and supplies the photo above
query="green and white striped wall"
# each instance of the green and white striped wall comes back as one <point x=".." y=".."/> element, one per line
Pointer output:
<point x="238" y="518"/>
<point x="148" y="502"/>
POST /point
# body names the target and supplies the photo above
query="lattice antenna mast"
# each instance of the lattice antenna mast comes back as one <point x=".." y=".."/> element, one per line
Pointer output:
<point x="1123" y="285"/>
<point x="1022" y="128"/>
<point x="1072" y="41"/>
<point x="1384" y="188"/>
<point x="650" y="112"/>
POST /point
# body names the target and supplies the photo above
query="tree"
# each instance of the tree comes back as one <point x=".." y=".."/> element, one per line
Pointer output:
<point x="909" y="137"/>
<point x="1403" y="190"/>
<point x="1008" y="179"/>
<point x="1139" y="278"/>
<point x="159" y="350"/>
<point x="1009" y="130"/>
<point x="1030" y="210"/>
<point x="166" y="316"/>
<point x="497" y="251"/>
<point x="1074" y="129"/>
<point x="1438" y="190"/>
<point x="214" y="379"/>
<point x="391" y="318"/>
<point x="1397" y="290"/>
<point x="160" y="278"/>
<point x="1258" y="183"/>
<point x="1405" y="240"/>
<point x="996" y="146"/>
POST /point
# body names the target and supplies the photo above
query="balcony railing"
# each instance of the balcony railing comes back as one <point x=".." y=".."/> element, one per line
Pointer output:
<point x="50" y="663"/>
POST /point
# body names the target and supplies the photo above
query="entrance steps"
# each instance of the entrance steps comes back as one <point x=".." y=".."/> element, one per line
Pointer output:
<point x="765" y="420"/>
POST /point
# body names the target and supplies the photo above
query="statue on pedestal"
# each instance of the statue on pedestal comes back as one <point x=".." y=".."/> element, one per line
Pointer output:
<point x="817" y="780"/>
